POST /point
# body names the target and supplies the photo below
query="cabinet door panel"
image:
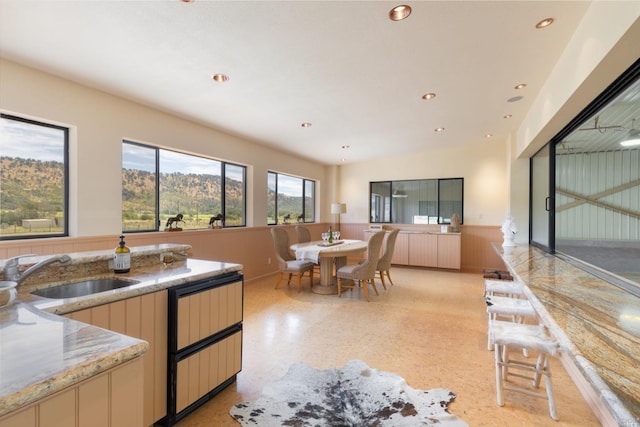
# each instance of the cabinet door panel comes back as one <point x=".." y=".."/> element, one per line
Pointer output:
<point x="23" y="418"/>
<point x="133" y="325"/>
<point x="423" y="250"/>
<point x="449" y="251"/>
<point x="100" y="316"/>
<point x="126" y="395"/>
<point x="93" y="408"/>
<point x="144" y="317"/>
<point x="60" y="410"/>
<point x="161" y="343"/>
<point x="401" y="250"/>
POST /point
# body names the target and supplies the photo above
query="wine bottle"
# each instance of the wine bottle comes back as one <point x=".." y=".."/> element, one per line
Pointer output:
<point x="330" y="235"/>
<point x="122" y="257"/>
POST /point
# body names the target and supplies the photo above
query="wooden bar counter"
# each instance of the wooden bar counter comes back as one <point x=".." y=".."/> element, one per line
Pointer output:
<point x="597" y="324"/>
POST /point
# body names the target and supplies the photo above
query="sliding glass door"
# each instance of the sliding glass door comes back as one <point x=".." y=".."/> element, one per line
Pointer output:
<point x="541" y="199"/>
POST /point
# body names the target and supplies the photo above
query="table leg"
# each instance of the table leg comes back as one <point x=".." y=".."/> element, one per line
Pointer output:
<point x="327" y="285"/>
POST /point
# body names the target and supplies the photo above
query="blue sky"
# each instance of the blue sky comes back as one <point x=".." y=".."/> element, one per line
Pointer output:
<point x="143" y="158"/>
<point x="28" y="141"/>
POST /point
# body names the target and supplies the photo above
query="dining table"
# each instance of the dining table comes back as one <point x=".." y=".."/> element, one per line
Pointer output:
<point x="327" y="255"/>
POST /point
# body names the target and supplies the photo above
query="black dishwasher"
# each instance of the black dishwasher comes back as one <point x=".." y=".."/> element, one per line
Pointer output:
<point x="205" y="341"/>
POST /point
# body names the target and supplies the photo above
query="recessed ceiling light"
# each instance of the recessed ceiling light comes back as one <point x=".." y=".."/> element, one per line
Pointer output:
<point x="429" y="95"/>
<point x="220" y="78"/>
<point x="306" y="125"/>
<point x="344" y="147"/>
<point x="489" y="135"/>
<point x="507" y="116"/>
<point x="439" y="129"/>
<point x="399" y="13"/>
<point x="520" y="86"/>
<point x="187" y="1"/>
<point x="544" y="23"/>
<point x="343" y="160"/>
<point x="515" y="99"/>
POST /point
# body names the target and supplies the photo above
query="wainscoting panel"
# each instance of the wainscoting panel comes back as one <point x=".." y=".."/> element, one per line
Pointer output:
<point x="252" y="246"/>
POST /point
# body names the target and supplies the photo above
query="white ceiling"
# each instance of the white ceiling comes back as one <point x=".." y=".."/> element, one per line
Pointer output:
<point x="343" y="66"/>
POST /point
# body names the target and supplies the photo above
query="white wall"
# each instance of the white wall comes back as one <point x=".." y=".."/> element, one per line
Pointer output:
<point x="604" y="45"/>
<point x="495" y="172"/>
<point x="99" y="122"/>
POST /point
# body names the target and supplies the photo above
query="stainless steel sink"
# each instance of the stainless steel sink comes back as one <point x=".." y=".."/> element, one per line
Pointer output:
<point x="83" y="288"/>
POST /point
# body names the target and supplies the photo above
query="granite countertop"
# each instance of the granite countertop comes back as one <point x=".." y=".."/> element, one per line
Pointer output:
<point x="597" y="324"/>
<point x="60" y="352"/>
<point x="41" y="353"/>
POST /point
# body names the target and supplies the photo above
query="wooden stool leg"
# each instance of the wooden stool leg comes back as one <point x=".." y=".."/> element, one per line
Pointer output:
<point x="547" y="383"/>
<point x="499" y="379"/>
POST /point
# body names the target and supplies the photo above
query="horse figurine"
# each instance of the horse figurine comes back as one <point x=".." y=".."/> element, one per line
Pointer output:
<point x="300" y="218"/>
<point x="287" y="218"/>
<point x="214" y="221"/>
<point x="174" y="220"/>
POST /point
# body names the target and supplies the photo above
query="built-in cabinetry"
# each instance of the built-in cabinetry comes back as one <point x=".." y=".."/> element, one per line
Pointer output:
<point x="449" y="251"/>
<point x="110" y="399"/>
<point x="144" y="317"/>
<point x="205" y="341"/>
<point x="401" y="250"/>
<point x="425" y="249"/>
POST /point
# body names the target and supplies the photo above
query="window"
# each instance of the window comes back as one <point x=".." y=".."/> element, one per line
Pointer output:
<point x="289" y="199"/>
<point x="159" y="184"/>
<point x="424" y="201"/>
<point x="34" y="179"/>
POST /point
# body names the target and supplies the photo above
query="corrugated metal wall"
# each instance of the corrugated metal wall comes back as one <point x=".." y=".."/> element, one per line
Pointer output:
<point x="598" y="195"/>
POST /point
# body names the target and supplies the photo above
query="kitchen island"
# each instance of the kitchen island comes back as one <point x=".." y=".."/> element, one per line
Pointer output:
<point x="42" y="353"/>
<point x="597" y="325"/>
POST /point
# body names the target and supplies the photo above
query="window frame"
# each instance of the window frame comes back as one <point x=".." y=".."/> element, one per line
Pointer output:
<point x="223" y="190"/>
<point x="306" y="219"/>
<point x="393" y="185"/>
<point x="65" y="202"/>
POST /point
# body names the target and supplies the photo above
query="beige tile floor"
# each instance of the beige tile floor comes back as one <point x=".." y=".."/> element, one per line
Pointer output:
<point x="429" y="328"/>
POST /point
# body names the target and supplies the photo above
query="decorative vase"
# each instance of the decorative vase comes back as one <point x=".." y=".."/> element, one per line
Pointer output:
<point x="455" y="223"/>
<point x="509" y="231"/>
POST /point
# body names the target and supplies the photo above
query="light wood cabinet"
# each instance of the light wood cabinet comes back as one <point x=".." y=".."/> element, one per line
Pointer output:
<point x="435" y="250"/>
<point x="401" y="250"/>
<point x="144" y="317"/>
<point x="111" y="399"/>
<point x="423" y="250"/>
<point x="449" y="250"/>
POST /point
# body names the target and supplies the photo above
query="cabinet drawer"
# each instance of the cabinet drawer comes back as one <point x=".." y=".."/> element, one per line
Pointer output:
<point x="205" y="313"/>
<point x="205" y="370"/>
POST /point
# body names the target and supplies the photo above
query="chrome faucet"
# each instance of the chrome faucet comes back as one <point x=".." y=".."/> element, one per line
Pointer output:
<point x="11" y="266"/>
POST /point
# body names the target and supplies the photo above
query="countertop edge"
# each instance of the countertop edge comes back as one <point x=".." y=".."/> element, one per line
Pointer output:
<point x="612" y="402"/>
<point x="127" y="348"/>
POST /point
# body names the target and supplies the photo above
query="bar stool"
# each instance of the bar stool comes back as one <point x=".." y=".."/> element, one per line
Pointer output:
<point x="508" y="335"/>
<point x="515" y="309"/>
<point x="503" y="287"/>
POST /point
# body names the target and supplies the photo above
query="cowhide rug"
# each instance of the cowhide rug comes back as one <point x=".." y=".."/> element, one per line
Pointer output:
<point x="354" y="395"/>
